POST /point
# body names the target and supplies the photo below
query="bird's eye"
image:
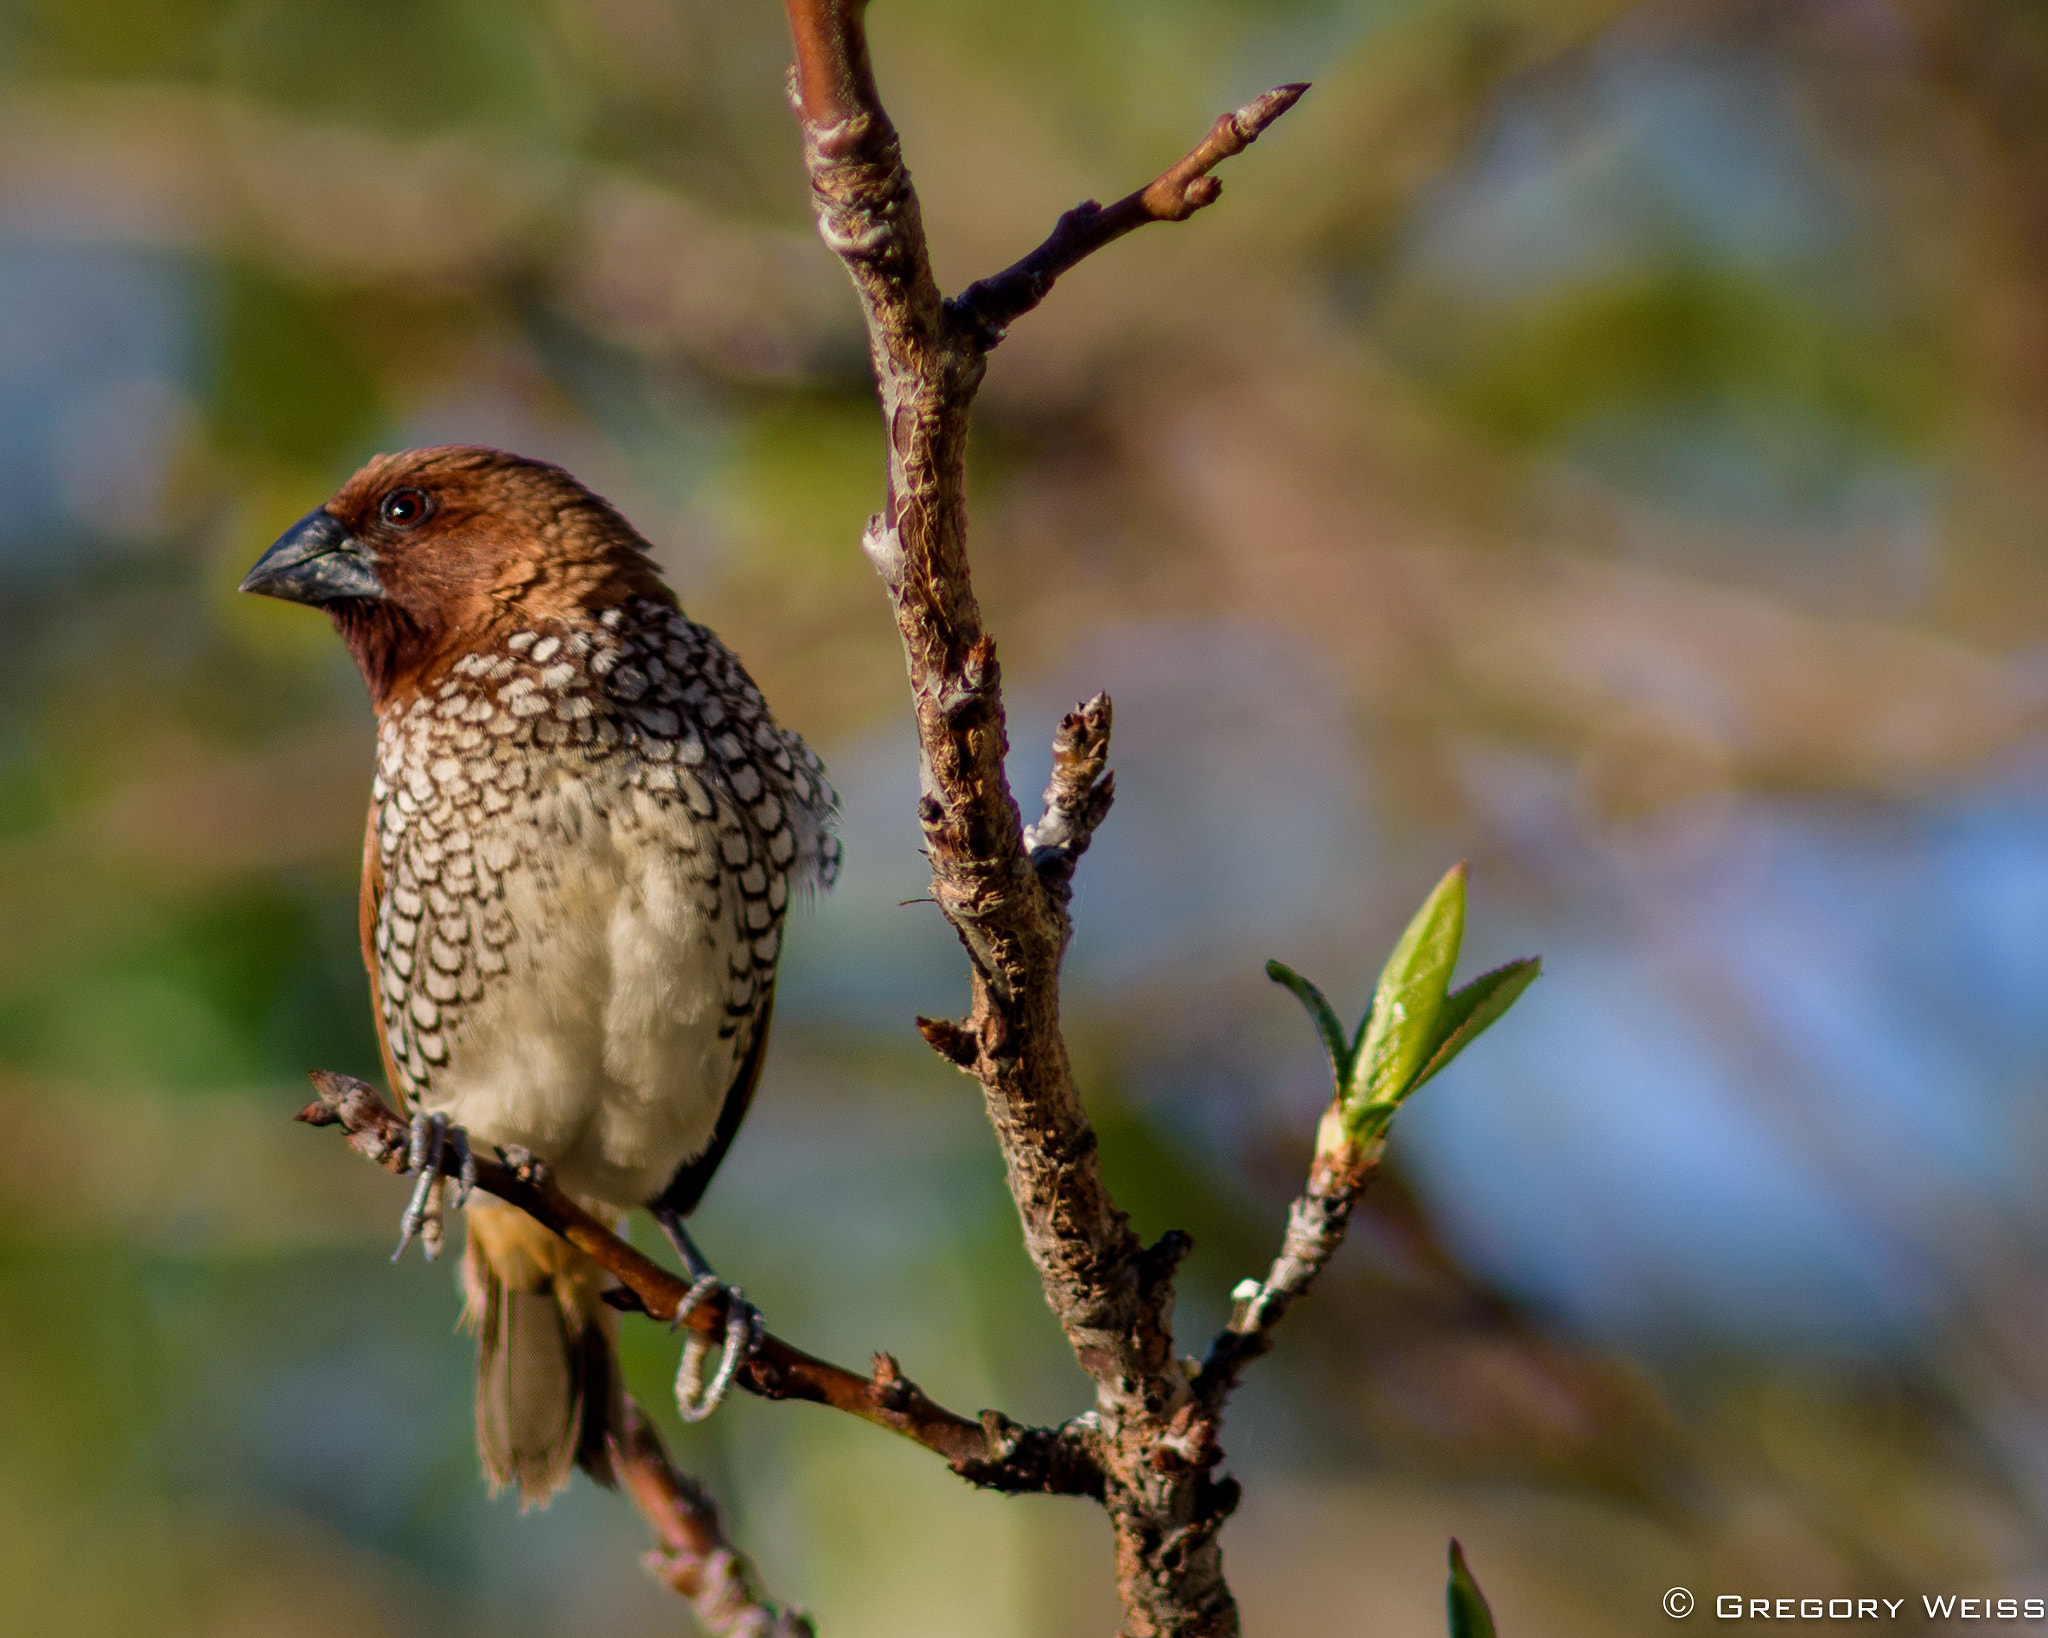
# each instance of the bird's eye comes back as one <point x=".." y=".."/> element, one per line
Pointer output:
<point x="403" y="508"/>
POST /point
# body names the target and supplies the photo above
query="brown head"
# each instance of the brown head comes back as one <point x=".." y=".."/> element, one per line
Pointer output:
<point x="426" y="556"/>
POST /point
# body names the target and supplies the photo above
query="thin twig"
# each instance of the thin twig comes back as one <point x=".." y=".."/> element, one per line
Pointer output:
<point x="987" y="308"/>
<point x="1014" y="1459"/>
<point x="693" y="1556"/>
<point x="1315" y="1229"/>
<point x="1077" y="798"/>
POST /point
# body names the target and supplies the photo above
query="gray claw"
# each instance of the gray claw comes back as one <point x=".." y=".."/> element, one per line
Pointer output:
<point x="466" y="1178"/>
<point x="423" y="1211"/>
<point x="743" y="1332"/>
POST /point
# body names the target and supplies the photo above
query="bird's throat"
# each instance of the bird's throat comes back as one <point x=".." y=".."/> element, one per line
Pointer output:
<point x="392" y="648"/>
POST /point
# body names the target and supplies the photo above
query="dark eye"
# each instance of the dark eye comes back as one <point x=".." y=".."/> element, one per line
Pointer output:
<point x="403" y="508"/>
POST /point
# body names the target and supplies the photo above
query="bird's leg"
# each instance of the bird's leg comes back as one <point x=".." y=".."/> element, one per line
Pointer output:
<point x="743" y="1327"/>
<point x="695" y="1263"/>
<point x="432" y="1137"/>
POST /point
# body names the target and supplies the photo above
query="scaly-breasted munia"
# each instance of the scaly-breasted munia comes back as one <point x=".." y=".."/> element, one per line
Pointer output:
<point x="585" y="830"/>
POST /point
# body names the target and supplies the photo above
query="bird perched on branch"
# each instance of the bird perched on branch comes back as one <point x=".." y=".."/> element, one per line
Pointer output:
<point x="585" y="830"/>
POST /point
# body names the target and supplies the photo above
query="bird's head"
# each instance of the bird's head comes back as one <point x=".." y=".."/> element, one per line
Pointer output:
<point x="423" y="557"/>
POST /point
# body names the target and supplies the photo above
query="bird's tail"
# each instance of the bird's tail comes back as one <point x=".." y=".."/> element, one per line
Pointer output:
<point x="548" y="1392"/>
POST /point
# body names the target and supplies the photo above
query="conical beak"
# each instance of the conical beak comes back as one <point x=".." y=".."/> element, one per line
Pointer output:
<point x="315" y="561"/>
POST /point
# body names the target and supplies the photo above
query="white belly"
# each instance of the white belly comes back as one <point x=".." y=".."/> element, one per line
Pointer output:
<point x="599" y="1047"/>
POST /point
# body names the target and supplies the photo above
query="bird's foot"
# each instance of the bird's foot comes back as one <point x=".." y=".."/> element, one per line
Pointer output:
<point x="743" y="1327"/>
<point x="433" y="1141"/>
<point x="695" y="1399"/>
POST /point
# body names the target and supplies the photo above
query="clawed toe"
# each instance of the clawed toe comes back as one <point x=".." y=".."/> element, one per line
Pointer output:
<point x="743" y="1326"/>
<point x="432" y="1140"/>
<point x="465" y="1179"/>
<point x="743" y="1332"/>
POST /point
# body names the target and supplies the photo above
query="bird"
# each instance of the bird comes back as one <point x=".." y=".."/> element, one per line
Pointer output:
<point x="585" y="832"/>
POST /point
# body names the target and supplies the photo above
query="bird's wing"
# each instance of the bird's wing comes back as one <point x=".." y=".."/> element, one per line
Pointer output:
<point x="369" y="897"/>
<point x="687" y="1187"/>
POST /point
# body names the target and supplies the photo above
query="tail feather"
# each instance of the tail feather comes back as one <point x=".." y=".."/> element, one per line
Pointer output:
<point x="548" y="1392"/>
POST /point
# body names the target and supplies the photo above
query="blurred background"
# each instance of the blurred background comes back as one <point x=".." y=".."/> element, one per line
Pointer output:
<point x="1602" y="440"/>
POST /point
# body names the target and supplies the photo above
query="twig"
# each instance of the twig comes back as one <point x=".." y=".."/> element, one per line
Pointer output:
<point x="988" y="307"/>
<point x="993" y="1453"/>
<point x="693" y="1556"/>
<point x="1315" y="1229"/>
<point x="1077" y="798"/>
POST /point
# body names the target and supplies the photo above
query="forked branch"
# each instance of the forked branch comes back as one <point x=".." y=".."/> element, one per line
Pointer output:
<point x="1005" y="890"/>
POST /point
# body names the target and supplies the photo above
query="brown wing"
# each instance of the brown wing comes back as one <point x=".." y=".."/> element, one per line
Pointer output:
<point x="687" y="1187"/>
<point x="369" y="897"/>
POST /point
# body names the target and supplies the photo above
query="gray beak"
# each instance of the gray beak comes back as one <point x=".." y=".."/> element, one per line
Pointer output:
<point x="315" y="561"/>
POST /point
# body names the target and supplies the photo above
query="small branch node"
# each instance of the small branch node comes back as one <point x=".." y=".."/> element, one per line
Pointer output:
<point x="1003" y="1435"/>
<point x="1247" y="1305"/>
<point x="884" y="548"/>
<point x="893" y="1391"/>
<point x="969" y="689"/>
<point x="1062" y="1461"/>
<point x="996" y="1036"/>
<point x="1157" y="1264"/>
<point x="1077" y="798"/>
<point x="956" y="1043"/>
<point x="1217" y="1499"/>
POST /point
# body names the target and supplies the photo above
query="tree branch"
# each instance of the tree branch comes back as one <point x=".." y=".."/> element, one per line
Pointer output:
<point x="1006" y="893"/>
<point x="693" y="1556"/>
<point x="992" y="1451"/>
<point x="982" y="879"/>
<point x="987" y="308"/>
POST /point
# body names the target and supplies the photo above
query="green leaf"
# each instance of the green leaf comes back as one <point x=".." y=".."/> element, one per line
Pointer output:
<point x="1358" y="1036"/>
<point x="1471" y="1012"/>
<point x="1408" y="1001"/>
<point x="1364" y="1125"/>
<point x="1471" y="1616"/>
<point x="1340" y="1050"/>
